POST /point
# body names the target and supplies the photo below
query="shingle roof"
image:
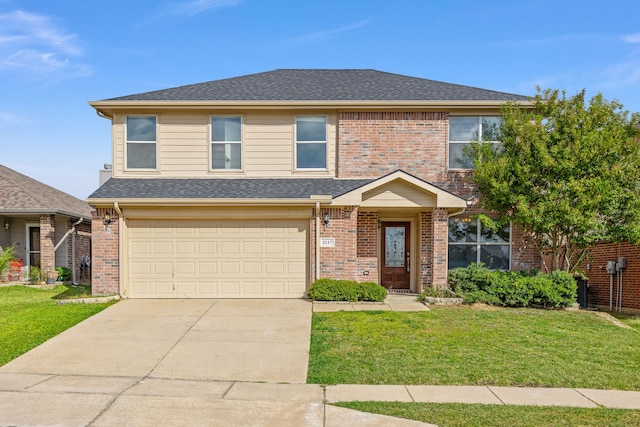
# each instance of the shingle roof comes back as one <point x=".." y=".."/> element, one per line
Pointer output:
<point x="22" y="194"/>
<point x="323" y="85"/>
<point x="216" y="188"/>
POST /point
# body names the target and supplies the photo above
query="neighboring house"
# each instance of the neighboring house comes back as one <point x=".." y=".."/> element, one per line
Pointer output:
<point x="47" y="227"/>
<point x="255" y="186"/>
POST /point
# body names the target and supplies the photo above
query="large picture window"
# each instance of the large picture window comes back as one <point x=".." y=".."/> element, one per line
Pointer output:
<point x="463" y="130"/>
<point x="141" y="142"/>
<point x="226" y="142"/>
<point x="311" y="142"/>
<point x="470" y="241"/>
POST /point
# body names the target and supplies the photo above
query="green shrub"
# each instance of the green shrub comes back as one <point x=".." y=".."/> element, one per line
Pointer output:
<point x="476" y="283"/>
<point x="437" y="293"/>
<point x="64" y="274"/>
<point x="36" y="275"/>
<point x="6" y="256"/>
<point x="346" y="290"/>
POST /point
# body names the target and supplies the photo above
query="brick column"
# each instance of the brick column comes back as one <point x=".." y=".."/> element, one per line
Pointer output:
<point x="440" y="236"/>
<point x="340" y="262"/>
<point x="367" y="250"/>
<point x="105" y="274"/>
<point x="426" y="249"/>
<point x="47" y="243"/>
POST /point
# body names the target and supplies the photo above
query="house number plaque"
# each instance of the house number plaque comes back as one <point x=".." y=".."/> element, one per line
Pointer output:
<point x="327" y="242"/>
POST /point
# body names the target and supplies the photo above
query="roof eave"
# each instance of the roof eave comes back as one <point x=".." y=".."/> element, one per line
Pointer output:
<point x="187" y="202"/>
<point x="105" y="106"/>
<point x="27" y="212"/>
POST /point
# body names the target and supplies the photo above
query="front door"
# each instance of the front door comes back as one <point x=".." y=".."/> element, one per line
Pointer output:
<point x="33" y="245"/>
<point x="396" y="257"/>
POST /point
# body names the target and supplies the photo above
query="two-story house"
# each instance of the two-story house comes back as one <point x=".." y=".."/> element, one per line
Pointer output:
<point x="255" y="186"/>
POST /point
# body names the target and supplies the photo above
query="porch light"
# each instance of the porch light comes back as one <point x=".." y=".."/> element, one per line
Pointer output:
<point x="107" y="219"/>
<point x="6" y="224"/>
<point x="326" y="219"/>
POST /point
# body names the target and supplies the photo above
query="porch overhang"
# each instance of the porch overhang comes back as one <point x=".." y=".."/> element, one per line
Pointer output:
<point x="400" y="190"/>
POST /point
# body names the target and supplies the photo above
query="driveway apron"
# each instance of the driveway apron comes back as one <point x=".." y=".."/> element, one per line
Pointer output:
<point x="240" y="340"/>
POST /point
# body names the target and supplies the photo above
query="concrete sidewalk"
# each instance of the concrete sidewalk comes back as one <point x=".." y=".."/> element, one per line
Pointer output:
<point x="73" y="400"/>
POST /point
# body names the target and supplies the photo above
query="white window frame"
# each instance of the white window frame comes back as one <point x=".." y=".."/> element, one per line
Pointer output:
<point x="127" y="142"/>
<point x="325" y="142"/>
<point x="212" y="142"/>
<point x="479" y="244"/>
<point x="466" y="143"/>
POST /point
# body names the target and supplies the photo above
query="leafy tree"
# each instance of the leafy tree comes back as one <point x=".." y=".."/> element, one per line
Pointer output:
<point x="567" y="172"/>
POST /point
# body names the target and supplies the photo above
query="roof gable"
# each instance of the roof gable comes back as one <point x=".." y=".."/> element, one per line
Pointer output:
<point x="323" y="85"/>
<point x="22" y="194"/>
<point x="399" y="189"/>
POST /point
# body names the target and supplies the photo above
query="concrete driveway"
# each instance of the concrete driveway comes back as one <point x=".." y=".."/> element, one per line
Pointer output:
<point x="176" y="362"/>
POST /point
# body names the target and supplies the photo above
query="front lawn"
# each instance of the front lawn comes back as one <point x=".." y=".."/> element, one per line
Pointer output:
<point x="462" y="415"/>
<point x="29" y="317"/>
<point x="474" y="346"/>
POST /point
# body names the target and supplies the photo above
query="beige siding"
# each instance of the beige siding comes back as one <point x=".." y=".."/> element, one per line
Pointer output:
<point x="184" y="145"/>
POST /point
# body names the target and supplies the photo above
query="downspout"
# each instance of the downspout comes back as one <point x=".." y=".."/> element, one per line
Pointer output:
<point x="317" y="275"/>
<point x="120" y="248"/>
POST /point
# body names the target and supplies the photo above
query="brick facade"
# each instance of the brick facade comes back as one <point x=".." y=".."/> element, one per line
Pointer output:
<point x="105" y="262"/>
<point x="368" y="247"/>
<point x="599" y="280"/>
<point x="372" y="144"/>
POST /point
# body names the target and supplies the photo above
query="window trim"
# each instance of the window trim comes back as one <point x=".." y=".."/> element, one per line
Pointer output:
<point x="479" y="244"/>
<point x="127" y="142"/>
<point x="459" y="142"/>
<point x="211" y="142"/>
<point x="325" y="142"/>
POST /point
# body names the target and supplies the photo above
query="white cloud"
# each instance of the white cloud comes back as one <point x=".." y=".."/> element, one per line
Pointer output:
<point x="195" y="7"/>
<point x="12" y="119"/>
<point x="327" y="33"/>
<point x="631" y="38"/>
<point x="35" y="45"/>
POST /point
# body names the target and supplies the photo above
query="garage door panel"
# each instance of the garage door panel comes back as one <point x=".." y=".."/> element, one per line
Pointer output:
<point x="230" y="247"/>
<point x="214" y="259"/>
<point x="161" y="247"/>
<point x="252" y="267"/>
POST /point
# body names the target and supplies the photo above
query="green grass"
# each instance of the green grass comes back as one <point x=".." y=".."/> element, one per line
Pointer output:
<point x="632" y="320"/>
<point x="465" y="415"/>
<point x="472" y="346"/>
<point x="29" y="317"/>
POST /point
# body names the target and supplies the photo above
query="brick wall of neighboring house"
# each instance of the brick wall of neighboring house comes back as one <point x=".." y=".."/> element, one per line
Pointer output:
<point x="105" y="262"/>
<point x="599" y="281"/>
<point x="47" y="243"/>
<point x="83" y="247"/>
<point x="372" y="144"/>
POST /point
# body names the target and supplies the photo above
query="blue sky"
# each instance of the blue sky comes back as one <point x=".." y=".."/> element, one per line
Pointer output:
<point x="55" y="56"/>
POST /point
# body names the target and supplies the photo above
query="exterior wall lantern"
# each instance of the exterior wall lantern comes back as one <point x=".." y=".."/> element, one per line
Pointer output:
<point x="107" y="219"/>
<point x="326" y="219"/>
<point x="6" y="224"/>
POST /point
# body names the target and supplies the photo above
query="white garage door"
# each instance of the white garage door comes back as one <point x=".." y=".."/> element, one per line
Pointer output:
<point x="217" y="259"/>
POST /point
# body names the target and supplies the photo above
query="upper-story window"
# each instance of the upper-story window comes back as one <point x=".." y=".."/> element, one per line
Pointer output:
<point x="141" y="142"/>
<point x="226" y="142"/>
<point x="462" y="130"/>
<point x="311" y="142"/>
<point x="471" y="242"/>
